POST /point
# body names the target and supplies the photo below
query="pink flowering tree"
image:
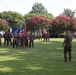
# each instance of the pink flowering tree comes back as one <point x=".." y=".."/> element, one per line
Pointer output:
<point x="60" y="23"/>
<point x="38" y="21"/>
<point x="72" y="25"/>
<point x="3" y="25"/>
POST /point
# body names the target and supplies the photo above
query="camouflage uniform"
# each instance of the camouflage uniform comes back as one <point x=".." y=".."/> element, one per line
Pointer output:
<point x="68" y="46"/>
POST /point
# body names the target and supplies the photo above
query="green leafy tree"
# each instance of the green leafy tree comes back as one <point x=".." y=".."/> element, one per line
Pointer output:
<point x="69" y="13"/>
<point x="49" y="16"/>
<point x="38" y="8"/>
<point x="14" y="19"/>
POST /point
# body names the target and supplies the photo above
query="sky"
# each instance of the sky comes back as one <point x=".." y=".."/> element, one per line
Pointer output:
<point x="55" y="7"/>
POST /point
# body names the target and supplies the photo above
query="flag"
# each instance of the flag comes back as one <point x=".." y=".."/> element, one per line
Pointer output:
<point x="17" y="30"/>
<point x="21" y="28"/>
<point x="11" y="30"/>
<point x="25" y="29"/>
<point x="40" y="31"/>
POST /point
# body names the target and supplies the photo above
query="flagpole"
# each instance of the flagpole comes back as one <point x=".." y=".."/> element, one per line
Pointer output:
<point x="25" y="28"/>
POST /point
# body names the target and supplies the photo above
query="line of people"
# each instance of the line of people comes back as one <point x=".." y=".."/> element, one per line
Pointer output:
<point x="23" y="40"/>
<point x="19" y="39"/>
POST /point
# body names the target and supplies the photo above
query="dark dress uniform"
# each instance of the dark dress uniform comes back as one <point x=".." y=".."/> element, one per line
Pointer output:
<point x="48" y="35"/>
<point x="5" y="38"/>
<point x="31" y="38"/>
<point x="21" y="40"/>
<point x="18" y="39"/>
<point x="68" y="46"/>
<point x="15" y="40"/>
<point x="9" y="36"/>
<point x="45" y="37"/>
<point x="26" y="40"/>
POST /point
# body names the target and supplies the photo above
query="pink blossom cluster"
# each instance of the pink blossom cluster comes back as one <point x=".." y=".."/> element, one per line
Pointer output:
<point x="60" y="20"/>
<point x="4" y="22"/>
<point x="38" y="20"/>
<point x="73" y="21"/>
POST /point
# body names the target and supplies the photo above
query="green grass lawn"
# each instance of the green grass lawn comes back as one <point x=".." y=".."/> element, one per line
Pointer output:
<point x="46" y="58"/>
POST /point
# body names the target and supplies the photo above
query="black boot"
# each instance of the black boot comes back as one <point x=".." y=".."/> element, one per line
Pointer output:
<point x="65" y="60"/>
<point x="69" y="59"/>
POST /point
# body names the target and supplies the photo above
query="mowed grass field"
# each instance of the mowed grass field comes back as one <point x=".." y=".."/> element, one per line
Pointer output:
<point x="46" y="58"/>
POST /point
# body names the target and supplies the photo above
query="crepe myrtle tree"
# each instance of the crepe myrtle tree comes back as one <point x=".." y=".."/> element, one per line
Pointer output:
<point x="72" y="25"/>
<point x="60" y="23"/>
<point x="37" y="21"/>
<point x="4" y="25"/>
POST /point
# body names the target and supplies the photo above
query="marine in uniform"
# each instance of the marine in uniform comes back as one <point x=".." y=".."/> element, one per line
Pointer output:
<point x="5" y="38"/>
<point x="67" y="44"/>
<point x="21" y="40"/>
<point x="15" y="40"/>
<point x="31" y="38"/>
<point x="9" y="36"/>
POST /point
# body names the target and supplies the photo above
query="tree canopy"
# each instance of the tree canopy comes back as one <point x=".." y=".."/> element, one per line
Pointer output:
<point x="30" y="15"/>
<point x="39" y="16"/>
<point x="63" y="23"/>
<point x="38" y="8"/>
<point x="14" y="19"/>
<point x="36" y="21"/>
<point x="69" y="13"/>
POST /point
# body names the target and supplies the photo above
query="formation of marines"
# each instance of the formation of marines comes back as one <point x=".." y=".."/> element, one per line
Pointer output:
<point x="19" y="39"/>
